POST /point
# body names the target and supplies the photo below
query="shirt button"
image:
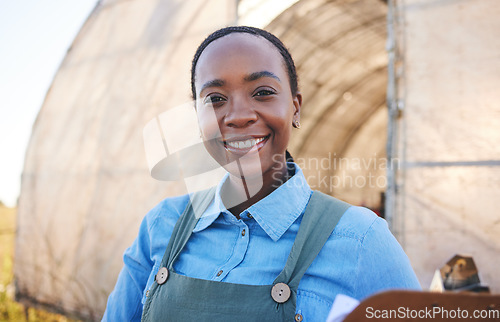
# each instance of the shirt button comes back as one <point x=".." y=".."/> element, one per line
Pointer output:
<point x="280" y="293"/>
<point x="250" y="216"/>
<point x="147" y="293"/>
<point x="298" y="317"/>
<point x="219" y="273"/>
<point x="243" y="232"/>
<point x="162" y="276"/>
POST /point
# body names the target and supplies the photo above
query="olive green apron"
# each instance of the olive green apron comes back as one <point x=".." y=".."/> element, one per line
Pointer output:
<point x="174" y="297"/>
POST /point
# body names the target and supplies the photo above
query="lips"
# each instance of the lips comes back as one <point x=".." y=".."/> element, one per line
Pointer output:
<point x="244" y="144"/>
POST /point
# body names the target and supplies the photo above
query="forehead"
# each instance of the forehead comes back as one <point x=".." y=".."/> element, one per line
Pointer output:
<point x="242" y="50"/>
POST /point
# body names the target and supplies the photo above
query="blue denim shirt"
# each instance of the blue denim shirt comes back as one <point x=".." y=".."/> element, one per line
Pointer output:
<point x="361" y="256"/>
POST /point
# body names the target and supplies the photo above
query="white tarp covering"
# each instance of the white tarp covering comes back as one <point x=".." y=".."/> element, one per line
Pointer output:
<point x="447" y="198"/>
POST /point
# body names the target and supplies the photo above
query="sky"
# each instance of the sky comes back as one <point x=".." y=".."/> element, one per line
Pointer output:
<point x="34" y="38"/>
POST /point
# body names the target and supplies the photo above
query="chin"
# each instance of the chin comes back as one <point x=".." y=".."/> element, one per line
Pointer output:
<point x="248" y="168"/>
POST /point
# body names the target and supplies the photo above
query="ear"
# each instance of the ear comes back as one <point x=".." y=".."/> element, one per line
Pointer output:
<point x="297" y="103"/>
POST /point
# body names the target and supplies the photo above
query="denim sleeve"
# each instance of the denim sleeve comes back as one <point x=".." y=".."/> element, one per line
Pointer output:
<point x="382" y="263"/>
<point x="124" y="303"/>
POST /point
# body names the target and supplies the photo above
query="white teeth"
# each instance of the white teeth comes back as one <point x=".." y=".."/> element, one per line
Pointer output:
<point x="245" y="144"/>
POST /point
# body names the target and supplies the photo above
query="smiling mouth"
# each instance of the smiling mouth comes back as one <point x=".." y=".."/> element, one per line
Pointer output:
<point x="244" y="146"/>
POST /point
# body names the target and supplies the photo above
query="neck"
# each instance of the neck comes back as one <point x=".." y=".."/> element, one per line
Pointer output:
<point x="240" y="193"/>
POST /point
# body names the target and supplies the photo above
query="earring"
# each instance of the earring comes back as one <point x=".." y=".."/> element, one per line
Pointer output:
<point x="296" y="124"/>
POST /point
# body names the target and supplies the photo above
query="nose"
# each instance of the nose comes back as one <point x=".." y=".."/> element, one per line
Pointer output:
<point x="239" y="113"/>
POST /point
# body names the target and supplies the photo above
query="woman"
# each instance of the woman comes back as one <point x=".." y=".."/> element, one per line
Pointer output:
<point x="281" y="252"/>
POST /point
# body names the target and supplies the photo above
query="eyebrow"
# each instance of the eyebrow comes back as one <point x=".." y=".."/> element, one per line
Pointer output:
<point x="255" y="76"/>
<point x="212" y="83"/>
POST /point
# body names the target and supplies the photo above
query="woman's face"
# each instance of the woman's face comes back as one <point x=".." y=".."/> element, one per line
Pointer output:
<point x="244" y="104"/>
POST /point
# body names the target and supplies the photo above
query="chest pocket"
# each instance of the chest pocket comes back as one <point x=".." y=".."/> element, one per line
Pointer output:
<point x="312" y="307"/>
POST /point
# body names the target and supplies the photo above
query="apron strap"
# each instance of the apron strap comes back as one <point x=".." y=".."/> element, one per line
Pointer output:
<point x="318" y="222"/>
<point x="198" y="202"/>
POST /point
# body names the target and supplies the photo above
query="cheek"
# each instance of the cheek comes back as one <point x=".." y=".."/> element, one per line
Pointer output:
<point x="282" y="121"/>
<point x="209" y="126"/>
<point x="210" y="132"/>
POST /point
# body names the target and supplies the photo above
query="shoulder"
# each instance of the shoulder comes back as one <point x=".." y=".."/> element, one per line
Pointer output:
<point x="365" y="241"/>
<point x="155" y="231"/>
<point x="357" y="222"/>
<point x="167" y="210"/>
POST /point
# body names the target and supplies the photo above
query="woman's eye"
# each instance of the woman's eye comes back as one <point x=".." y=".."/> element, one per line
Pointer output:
<point x="213" y="99"/>
<point x="264" y="92"/>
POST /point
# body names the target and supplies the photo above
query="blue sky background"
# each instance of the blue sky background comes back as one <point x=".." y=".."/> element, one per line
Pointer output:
<point x="34" y="38"/>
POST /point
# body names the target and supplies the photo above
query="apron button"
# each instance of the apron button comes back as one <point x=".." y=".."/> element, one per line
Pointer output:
<point x="162" y="276"/>
<point x="280" y="292"/>
<point x="298" y="317"/>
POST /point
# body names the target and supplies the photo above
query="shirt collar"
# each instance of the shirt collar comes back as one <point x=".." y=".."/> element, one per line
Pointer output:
<point x="213" y="211"/>
<point x="290" y="198"/>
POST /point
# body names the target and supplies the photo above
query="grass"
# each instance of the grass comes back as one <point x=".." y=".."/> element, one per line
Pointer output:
<point x="11" y="310"/>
